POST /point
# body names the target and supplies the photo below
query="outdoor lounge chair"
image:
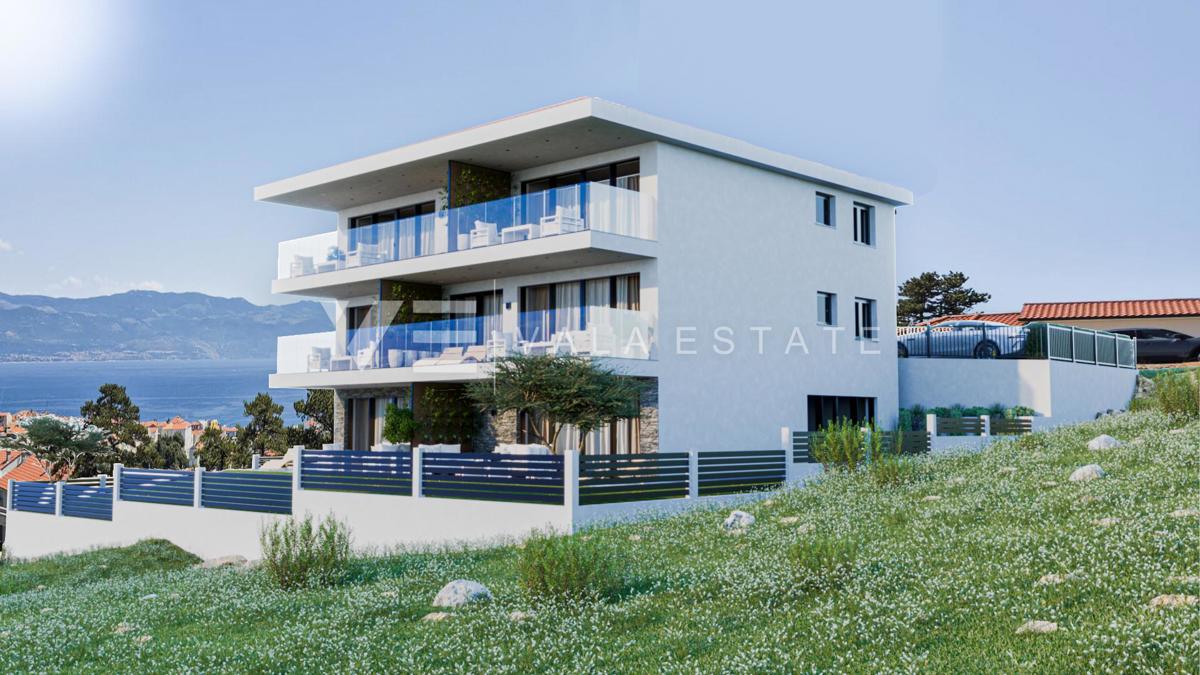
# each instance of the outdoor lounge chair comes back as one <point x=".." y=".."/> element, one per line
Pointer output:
<point x="451" y="356"/>
<point x="484" y="234"/>
<point x="560" y="223"/>
<point x="475" y="354"/>
<point x="277" y="463"/>
<point x="365" y="357"/>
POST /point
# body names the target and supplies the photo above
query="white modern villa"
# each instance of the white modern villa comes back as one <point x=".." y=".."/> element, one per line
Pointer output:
<point x="749" y="288"/>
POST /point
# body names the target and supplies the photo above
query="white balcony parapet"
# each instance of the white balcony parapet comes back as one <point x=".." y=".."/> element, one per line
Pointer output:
<point x="577" y="208"/>
<point x="455" y="343"/>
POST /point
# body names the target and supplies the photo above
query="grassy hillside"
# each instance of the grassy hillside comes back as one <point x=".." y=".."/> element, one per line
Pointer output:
<point x="937" y="584"/>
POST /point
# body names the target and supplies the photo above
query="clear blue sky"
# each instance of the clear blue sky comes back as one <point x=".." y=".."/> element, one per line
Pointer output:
<point x="1053" y="147"/>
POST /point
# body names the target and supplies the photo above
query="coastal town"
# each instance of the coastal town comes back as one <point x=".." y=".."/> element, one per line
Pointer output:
<point x="21" y="465"/>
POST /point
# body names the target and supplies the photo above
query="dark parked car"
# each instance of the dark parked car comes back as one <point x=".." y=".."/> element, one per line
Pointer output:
<point x="1159" y="345"/>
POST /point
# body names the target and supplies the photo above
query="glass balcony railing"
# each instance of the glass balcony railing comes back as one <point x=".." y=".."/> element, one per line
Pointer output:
<point x="576" y="208"/>
<point x="592" y="331"/>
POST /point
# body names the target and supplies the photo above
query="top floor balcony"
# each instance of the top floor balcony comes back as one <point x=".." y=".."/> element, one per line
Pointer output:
<point x="562" y="228"/>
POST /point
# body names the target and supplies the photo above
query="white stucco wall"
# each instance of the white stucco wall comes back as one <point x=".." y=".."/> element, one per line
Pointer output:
<point x="376" y="521"/>
<point x="1080" y="391"/>
<point x="971" y="382"/>
<point x="1066" y="392"/>
<point x="740" y="248"/>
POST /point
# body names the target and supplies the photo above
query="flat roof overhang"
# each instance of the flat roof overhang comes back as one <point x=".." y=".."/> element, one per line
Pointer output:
<point x="555" y="133"/>
<point x="383" y="377"/>
<point x="546" y="254"/>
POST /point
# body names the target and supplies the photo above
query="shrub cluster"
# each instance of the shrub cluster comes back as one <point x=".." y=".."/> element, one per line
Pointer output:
<point x="839" y="445"/>
<point x="551" y="566"/>
<point x="1176" y="394"/>
<point x="822" y="563"/>
<point x="302" y="553"/>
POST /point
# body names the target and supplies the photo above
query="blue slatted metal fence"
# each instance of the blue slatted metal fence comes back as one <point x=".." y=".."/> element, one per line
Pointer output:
<point x="728" y="472"/>
<point x="33" y="497"/>
<point x="534" y="479"/>
<point x="378" y="472"/>
<point x="626" y="478"/>
<point x="157" y="486"/>
<point x="265" y="491"/>
<point x="87" y="501"/>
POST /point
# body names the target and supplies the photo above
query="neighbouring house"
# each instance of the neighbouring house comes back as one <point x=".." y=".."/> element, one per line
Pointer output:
<point x="748" y="289"/>
<point x="1177" y="314"/>
<point x="21" y="465"/>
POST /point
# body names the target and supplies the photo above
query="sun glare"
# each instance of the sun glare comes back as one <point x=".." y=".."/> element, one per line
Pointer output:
<point x="52" y="51"/>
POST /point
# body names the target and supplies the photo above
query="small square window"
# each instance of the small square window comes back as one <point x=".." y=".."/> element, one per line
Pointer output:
<point x="824" y="209"/>
<point x="826" y="308"/>
<point x="864" y="224"/>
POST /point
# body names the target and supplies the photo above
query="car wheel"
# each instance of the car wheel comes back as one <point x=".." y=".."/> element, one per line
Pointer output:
<point x="901" y="350"/>
<point x="987" y="350"/>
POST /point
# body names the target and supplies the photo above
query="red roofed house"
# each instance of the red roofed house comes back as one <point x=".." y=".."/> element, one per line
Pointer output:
<point x="1180" y="314"/>
<point x="20" y="465"/>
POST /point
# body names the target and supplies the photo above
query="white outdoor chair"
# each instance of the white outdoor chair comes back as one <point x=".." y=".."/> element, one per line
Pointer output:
<point x="365" y="357"/>
<point x="302" y="265"/>
<point x="475" y="354"/>
<point x="560" y="223"/>
<point x="484" y="234"/>
<point x="318" y="359"/>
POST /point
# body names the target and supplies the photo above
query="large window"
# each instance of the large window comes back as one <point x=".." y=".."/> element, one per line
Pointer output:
<point x="623" y="174"/>
<point x="376" y="228"/>
<point x="865" y="319"/>
<point x="825" y="409"/>
<point x="825" y="209"/>
<point x="826" y="308"/>
<point x="864" y="224"/>
<point x="566" y="306"/>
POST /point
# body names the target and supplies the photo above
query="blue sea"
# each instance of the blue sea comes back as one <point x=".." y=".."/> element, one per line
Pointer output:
<point x="162" y="389"/>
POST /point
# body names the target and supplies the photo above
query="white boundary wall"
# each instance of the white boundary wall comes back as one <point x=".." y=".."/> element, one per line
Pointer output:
<point x="1068" y="392"/>
<point x="377" y="522"/>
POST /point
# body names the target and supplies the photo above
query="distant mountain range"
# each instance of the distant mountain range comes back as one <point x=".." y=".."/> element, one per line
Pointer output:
<point x="148" y="325"/>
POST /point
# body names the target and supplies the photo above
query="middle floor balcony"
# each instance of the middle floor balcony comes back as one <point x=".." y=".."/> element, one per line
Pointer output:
<point x="460" y="349"/>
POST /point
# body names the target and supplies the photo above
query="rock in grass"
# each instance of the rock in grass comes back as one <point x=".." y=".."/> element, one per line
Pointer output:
<point x="738" y="520"/>
<point x="1186" y="513"/>
<point x="1051" y="579"/>
<point x="143" y="639"/>
<point x="931" y="498"/>
<point x="1049" y="483"/>
<point x="149" y="596"/>
<point x="1177" y="431"/>
<point x="1037" y="627"/>
<point x="122" y="628"/>
<point x="1103" y="442"/>
<point x="788" y="520"/>
<point x="635" y="537"/>
<point x="1173" y="600"/>
<point x="1106" y="522"/>
<point x="437" y="616"/>
<point x="1088" y="472"/>
<point x="461" y="592"/>
<point x="224" y="561"/>
<point x="1006" y="470"/>
<point x="519" y="616"/>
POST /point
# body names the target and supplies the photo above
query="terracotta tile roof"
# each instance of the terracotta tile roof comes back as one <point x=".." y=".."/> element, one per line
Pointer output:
<point x="1109" y="309"/>
<point x="20" y="466"/>
<point x="1010" y="318"/>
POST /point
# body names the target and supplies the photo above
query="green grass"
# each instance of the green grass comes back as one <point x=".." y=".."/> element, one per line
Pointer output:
<point x="938" y="585"/>
<point x="69" y="571"/>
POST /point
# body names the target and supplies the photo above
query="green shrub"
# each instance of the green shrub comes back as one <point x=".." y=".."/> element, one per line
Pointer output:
<point x="839" y="445"/>
<point x="399" y="425"/>
<point x="1020" y="411"/>
<point x="891" y="469"/>
<point x="551" y="566"/>
<point x="822" y="563"/>
<point x="304" y="554"/>
<point x="1175" y="394"/>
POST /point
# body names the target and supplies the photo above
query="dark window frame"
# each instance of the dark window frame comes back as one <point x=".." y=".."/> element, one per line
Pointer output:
<point x="827" y="213"/>
<point x="864" y="233"/>
<point x="827" y="308"/>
